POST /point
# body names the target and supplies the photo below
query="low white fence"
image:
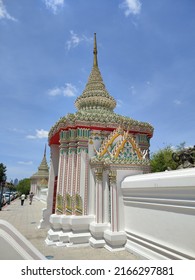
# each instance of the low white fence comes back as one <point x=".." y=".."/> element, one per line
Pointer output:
<point x="159" y="213"/>
<point x="14" y="246"/>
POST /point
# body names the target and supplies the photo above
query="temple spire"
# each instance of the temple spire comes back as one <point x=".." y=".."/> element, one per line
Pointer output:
<point x="45" y="151"/>
<point x="43" y="169"/>
<point x="95" y="96"/>
<point x="95" y="61"/>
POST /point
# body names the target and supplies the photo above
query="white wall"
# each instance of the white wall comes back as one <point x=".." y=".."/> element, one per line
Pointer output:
<point x="121" y="174"/>
<point x="43" y="194"/>
<point x="159" y="214"/>
<point x="14" y="246"/>
<point x="52" y="173"/>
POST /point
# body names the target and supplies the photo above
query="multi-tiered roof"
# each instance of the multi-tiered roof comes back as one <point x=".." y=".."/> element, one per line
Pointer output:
<point x="95" y="97"/>
<point x="43" y="169"/>
<point x="95" y="109"/>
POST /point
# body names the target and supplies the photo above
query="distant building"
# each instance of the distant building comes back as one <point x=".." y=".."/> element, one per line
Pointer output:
<point x="16" y="182"/>
<point x="39" y="181"/>
<point x="92" y="151"/>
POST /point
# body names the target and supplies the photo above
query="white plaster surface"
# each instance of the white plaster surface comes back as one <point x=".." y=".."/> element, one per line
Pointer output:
<point x="14" y="246"/>
<point x="159" y="214"/>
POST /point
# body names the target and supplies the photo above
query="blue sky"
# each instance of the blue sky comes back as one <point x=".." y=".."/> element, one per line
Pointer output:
<point x="146" y="54"/>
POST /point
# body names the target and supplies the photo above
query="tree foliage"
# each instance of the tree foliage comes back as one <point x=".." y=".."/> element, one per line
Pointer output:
<point x="11" y="186"/>
<point x="2" y="172"/>
<point x="162" y="159"/>
<point x="24" y="186"/>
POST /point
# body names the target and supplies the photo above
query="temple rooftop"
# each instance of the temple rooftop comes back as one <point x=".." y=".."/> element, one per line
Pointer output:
<point x="95" y="109"/>
<point x="43" y="169"/>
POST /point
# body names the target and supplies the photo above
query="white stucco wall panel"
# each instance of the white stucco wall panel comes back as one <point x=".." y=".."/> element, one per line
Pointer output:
<point x="14" y="246"/>
<point x="160" y="213"/>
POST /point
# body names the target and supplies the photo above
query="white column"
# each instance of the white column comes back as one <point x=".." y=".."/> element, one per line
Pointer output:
<point x="82" y="179"/>
<point x="106" y="198"/>
<point x="115" y="239"/>
<point x="99" y="195"/>
<point x="91" y="192"/>
<point x="86" y="184"/>
<point x="98" y="227"/>
<point x="114" y="201"/>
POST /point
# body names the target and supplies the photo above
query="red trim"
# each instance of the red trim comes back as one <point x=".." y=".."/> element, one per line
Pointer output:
<point x="56" y="137"/>
<point x="54" y="195"/>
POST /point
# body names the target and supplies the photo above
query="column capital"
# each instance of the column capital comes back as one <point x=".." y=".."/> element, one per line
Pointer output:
<point x="99" y="173"/>
<point x="112" y="176"/>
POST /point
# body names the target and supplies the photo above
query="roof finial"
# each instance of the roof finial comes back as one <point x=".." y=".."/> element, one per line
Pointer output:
<point x="95" y="61"/>
<point x="45" y="151"/>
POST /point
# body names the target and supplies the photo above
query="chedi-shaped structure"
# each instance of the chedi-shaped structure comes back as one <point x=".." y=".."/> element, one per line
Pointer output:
<point x="39" y="180"/>
<point x="92" y="151"/>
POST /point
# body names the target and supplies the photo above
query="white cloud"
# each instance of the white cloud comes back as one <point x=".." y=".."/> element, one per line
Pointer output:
<point x="133" y="90"/>
<point x="119" y="103"/>
<point x="131" y="7"/>
<point x="25" y="162"/>
<point x="76" y="39"/>
<point x="55" y="91"/>
<point x="177" y="102"/>
<point x="3" y="12"/>
<point x="54" y="5"/>
<point x="68" y="90"/>
<point x="39" y="134"/>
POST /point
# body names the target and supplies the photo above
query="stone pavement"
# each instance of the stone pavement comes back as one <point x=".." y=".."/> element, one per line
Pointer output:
<point x="26" y="220"/>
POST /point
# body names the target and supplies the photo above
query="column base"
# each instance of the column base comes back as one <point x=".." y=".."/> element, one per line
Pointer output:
<point x="60" y="238"/>
<point x="115" y="241"/>
<point x="97" y="243"/>
<point x="97" y="231"/>
<point x="72" y="230"/>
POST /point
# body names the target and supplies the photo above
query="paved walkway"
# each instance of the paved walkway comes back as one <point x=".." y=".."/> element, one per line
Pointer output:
<point x="26" y="219"/>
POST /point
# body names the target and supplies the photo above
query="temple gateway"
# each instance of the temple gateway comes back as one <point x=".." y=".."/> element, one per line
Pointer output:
<point x="92" y="151"/>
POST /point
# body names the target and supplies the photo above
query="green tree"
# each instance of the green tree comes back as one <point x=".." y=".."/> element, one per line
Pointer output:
<point x="11" y="186"/>
<point x="162" y="160"/>
<point x="24" y="186"/>
<point x="2" y="172"/>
